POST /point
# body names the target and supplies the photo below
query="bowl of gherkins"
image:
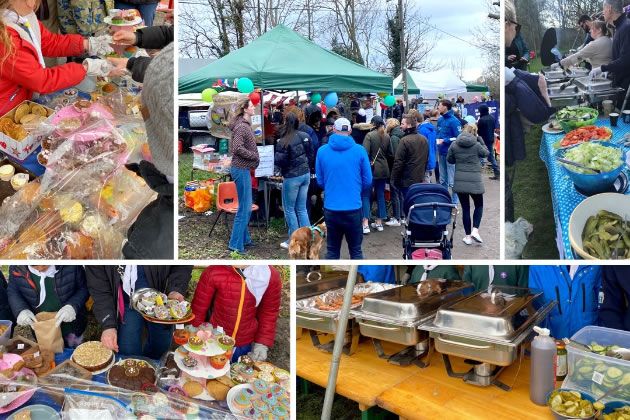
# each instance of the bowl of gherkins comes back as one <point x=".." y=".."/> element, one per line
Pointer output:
<point x="599" y="227"/>
<point x="571" y="118"/>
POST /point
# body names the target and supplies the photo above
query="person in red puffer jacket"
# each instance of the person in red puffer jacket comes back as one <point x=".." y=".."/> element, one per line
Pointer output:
<point x="245" y="301"/>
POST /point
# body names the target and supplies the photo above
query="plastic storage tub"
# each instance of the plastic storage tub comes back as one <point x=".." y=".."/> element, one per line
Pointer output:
<point x="596" y="374"/>
<point x="6" y="335"/>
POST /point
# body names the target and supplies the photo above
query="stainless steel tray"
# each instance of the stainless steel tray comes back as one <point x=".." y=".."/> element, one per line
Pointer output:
<point x="593" y="86"/>
<point x="554" y="74"/>
<point x="500" y="315"/>
<point x="317" y="282"/>
<point x="405" y="304"/>
<point x="578" y="71"/>
<point x="569" y="91"/>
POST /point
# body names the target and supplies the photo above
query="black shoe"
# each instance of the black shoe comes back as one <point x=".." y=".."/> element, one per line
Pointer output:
<point x="252" y="244"/>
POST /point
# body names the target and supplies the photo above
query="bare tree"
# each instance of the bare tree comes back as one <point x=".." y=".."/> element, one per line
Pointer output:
<point x="458" y="64"/>
<point x="486" y="39"/>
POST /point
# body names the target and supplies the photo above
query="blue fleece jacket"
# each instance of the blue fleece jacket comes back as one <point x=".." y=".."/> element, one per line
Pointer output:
<point x="428" y="131"/>
<point x="343" y="171"/>
<point x="448" y="127"/>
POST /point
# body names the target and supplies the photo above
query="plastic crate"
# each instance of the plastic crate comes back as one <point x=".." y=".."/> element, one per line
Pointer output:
<point x="591" y="372"/>
<point x="6" y="335"/>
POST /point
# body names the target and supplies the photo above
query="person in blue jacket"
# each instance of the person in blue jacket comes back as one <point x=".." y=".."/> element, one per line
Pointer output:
<point x="448" y="128"/>
<point x="614" y="297"/>
<point x="575" y="288"/>
<point x="427" y="130"/>
<point x="343" y="171"/>
<point x="378" y="273"/>
<point x="49" y="288"/>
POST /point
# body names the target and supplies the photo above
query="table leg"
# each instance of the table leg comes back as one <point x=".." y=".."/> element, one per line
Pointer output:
<point x="266" y="192"/>
<point x="372" y="413"/>
<point x="303" y="385"/>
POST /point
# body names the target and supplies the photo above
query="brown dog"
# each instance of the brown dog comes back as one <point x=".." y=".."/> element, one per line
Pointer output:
<point x="306" y="242"/>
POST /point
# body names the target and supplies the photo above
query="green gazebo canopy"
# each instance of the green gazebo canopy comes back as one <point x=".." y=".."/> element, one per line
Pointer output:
<point x="476" y="88"/>
<point x="282" y="59"/>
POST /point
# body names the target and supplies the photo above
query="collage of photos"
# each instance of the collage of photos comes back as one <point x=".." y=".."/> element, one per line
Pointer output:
<point x="219" y="166"/>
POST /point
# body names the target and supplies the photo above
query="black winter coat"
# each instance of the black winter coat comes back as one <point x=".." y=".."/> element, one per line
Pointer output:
<point x="297" y="158"/>
<point x="613" y="311"/>
<point x="398" y="111"/>
<point x="151" y="235"/>
<point x="411" y="159"/>
<point x="70" y="286"/>
<point x="486" y="125"/>
<point x="154" y="37"/>
<point x="103" y="282"/>
<point x="5" y="309"/>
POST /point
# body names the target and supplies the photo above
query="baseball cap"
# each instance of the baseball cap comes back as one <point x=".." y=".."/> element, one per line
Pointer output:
<point x="342" y="124"/>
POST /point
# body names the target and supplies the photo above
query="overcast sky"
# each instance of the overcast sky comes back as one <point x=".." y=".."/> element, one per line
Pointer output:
<point x="458" y="20"/>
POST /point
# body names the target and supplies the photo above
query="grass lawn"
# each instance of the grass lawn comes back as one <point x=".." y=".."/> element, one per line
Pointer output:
<point x="185" y="161"/>
<point x="532" y="200"/>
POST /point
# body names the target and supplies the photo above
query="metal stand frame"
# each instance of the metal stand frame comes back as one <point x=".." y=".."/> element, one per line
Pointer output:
<point x="348" y="349"/>
<point x="472" y="378"/>
<point x="407" y="356"/>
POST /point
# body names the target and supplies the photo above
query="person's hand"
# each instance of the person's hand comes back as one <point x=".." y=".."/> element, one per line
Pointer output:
<point x="99" y="45"/>
<point x="124" y="37"/>
<point x="120" y="66"/>
<point x="439" y="141"/>
<point x="26" y="318"/>
<point x="168" y="14"/>
<point x="542" y="85"/>
<point x="524" y="59"/>
<point x="176" y="295"/>
<point x="65" y="314"/>
<point x="511" y="57"/>
<point x="555" y="66"/>
<point x="259" y="352"/>
<point x="595" y="73"/>
<point x="97" y="67"/>
<point x="109" y="338"/>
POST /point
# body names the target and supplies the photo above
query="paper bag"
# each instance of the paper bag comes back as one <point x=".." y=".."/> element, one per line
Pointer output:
<point x="48" y="335"/>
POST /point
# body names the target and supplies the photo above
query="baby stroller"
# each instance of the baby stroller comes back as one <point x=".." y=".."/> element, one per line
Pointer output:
<point x="429" y="210"/>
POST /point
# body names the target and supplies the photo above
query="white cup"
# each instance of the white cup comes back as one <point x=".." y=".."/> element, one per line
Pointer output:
<point x="112" y="12"/>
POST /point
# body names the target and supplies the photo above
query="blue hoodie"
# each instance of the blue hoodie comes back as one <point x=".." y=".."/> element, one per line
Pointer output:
<point x="343" y="171"/>
<point x="577" y="298"/>
<point x="428" y="131"/>
<point x="448" y="126"/>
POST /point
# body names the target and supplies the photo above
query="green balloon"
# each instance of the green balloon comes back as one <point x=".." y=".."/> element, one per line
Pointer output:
<point x="389" y="100"/>
<point x="207" y="94"/>
<point x="316" y="98"/>
<point x="244" y="85"/>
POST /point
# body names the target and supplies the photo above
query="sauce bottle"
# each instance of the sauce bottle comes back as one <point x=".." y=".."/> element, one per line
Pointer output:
<point x="542" y="379"/>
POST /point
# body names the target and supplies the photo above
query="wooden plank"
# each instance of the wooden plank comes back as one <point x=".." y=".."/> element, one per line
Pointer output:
<point x="362" y="376"/>
<point x="432" y="394"/>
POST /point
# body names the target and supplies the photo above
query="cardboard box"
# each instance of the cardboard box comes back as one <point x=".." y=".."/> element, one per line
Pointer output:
<point x="202" y="154"/>
<point x="22" y="149"/>
<point x="6" y="190"/>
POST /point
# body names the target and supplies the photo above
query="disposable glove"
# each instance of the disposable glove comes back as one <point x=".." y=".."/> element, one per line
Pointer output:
<point x="25" y="318"/>
<point x="98" y="67"/>
<point x="259" y="352"/>
<point x="555" y="66"/>
<point x="65" y="314"/>
<point x="595" y="73"/>
<point x="99" y="45"/>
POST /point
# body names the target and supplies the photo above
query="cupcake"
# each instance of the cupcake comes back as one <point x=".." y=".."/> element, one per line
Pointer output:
<point x="189" y="362"/>
<point x="118" y="19"/>
<point x="195" y="343"/>
<point x="260" y="406"/>
<point x="260" y="386"/>
<point x="206" y="326"/>
<point x="130" y="51"/>
<point x="269" y="399"/>
<point x="6" y="172"/>
<point x="160" y="312"/>
<point x="191" y="329"/>
<point x="225" y="342"/>
<point x="218" y="361"/>
<point x="18" y="181"/>
<point x="218" y="331"/>
<point x="139" y="399"/>
<point x="280" y="412"/>
<point x="241" y="401"/>
<point x="246" y="360"/>
<point x="71" y="212"/>
<point x="150" y="388"/>
<point x="179" y="311"/>
<point x="181" y="336"/>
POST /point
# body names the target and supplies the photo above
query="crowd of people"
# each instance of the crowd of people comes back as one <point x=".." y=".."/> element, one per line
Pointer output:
<point x="351" y="162"/>
<point x="226" y="296"/>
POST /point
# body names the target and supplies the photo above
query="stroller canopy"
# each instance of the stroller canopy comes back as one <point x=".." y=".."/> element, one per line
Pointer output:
<point x="438" y="214"/>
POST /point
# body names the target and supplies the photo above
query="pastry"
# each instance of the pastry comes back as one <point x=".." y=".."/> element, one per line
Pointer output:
<point x="28" y="118"/>
<point x="13" y="347"/>
<point x="265" y="367"/>
<point x="68" y="125"/>
<point x="42" y="157"/>
<point x="150" y="388"/>
<point x="218" y="361"/>
<point x="37" y="109"/>
<point x="177" y="391"/>
<point x="109" y="88"/>
<point x="269" y="399"/>
<point x="118" y="19"/>
<point x="195" y="343"/>
<point x="260" y="406"/>
<point x="249" y="393"/>
<point x="261" y="386"/>
<point x="241" y="401"/>
<point x="160" y="399"/>
<point x="21" y="111"/>
<point x="189" y="362"/>
<point x="19" y="180"/>
<point x="218" y="331"/>
<point x="191" y="328"/>
<point x="139" y="398"/>
<point x="225" y="342"/>
<point x="160" y="312"/>
<point x="81" y="104"/>
<point x="247" y="372"/>
<point x="130" y="15"/>
<point x="183" y="351"/>
<point x="6" y="172"/>
<point x="18" y="365"/>
<point x="217" y="389"/>
<point x="281" y="374"/>
<point x="246" y="360"/>
<point x="278" y="391"/>
<point x="23" y="415"/>
<point x="239" y="379"/>
<point x="92" y="355"/>
<point x="205" y="326"/>
<point x="71" y="212"/>
<point x="280" y="412"/>
<point x="266" y="376"/>
<point x="92" y="226"/>
<point x="251" y="413"/>
<point x="79" y="246"/>
<point x="130" y="50"/>
<point x="284" y="403"/>
<point x="179" y="310"/>
<point x="181" y="336"/>
<point x="193" y="388"/>
<point x="32" y="362"/>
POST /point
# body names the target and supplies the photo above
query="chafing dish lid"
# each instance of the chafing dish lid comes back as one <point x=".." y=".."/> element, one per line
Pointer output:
<point x="501" y="313"/>
<point x="405" y="303"/>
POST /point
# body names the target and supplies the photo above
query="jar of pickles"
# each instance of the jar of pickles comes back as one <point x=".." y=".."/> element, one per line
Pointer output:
<point x="561" y="361"/>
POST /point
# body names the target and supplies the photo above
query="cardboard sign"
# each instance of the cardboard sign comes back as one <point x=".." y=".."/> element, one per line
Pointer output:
<point x="265" y="167"/>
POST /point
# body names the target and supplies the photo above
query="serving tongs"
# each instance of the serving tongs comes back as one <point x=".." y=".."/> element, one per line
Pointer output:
<point x="579" y="165"/>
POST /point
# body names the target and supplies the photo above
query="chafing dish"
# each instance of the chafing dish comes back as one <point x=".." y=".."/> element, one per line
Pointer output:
<point x="318" y="282"/>
<point x="554" y="74"/>
<point x="394" y="316"/>
<point x="578" y="71"/>
<point x="590" y="86"/>
<point x="490" y="328"/>
<point x="309" y="316"/>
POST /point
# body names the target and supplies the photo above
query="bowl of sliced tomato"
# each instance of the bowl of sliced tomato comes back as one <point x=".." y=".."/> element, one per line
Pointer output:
<point x="583" y="134"/>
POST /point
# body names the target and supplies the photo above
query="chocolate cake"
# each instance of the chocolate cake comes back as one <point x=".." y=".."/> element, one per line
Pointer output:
<point x="13" y="347"/>
<point x="130" y="376"/>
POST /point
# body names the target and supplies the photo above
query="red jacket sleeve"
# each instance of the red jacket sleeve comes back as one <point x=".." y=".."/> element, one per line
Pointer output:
<point x="56" y="45"/>
<point x="268" y="311"/>
<point x="203" y="296"/>
<point x="24" y="69"/>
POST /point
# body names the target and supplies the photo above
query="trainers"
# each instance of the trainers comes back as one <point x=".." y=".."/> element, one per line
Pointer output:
<point x="392" y="222"/>
<point x="379" y="227"/>
<point x="476" y="237"/>
<point x="284" y="245"/>
<point x="366" y="230"/>
<point x="242" y="253"/>
<point x="467" y="241"/>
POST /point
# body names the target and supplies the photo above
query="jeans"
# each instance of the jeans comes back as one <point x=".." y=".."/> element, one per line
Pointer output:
<point x="159" y="336"/>
<point x="294" y="196"/>
<point x="379" y="185"/>
<point x="147" y="11"/>
<point x="340" y="223"/>
<point x="397" y="202"/>
<point x="491" y="159"/>
<point x="240" y="236"/>
<point x="448" y="169"/>
<point x="478" y="201"/>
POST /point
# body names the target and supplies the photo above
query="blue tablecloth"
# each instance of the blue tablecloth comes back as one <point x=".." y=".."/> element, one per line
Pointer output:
<point x="564" y="196"/>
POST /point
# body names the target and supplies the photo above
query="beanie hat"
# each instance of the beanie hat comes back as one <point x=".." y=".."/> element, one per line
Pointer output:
<point x="157" y="97"/>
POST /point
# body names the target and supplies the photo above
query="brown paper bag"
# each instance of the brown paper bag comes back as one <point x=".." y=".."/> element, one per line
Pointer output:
<point x="47" y="334"/>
